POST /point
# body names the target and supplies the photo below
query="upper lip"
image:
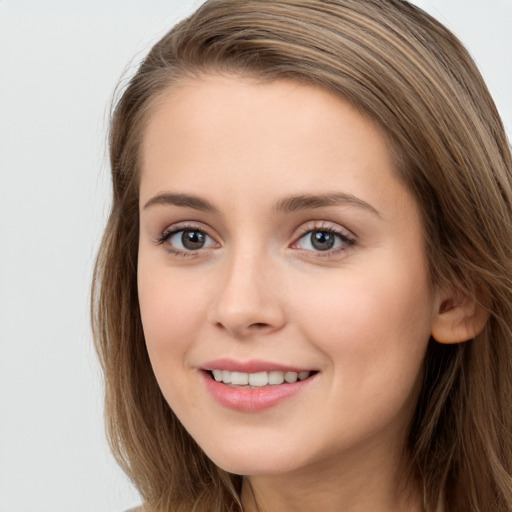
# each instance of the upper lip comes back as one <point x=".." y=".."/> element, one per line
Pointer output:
<point x="252" y="366"/>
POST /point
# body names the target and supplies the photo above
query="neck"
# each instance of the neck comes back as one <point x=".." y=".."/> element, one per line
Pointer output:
<point x="367" y="484"/>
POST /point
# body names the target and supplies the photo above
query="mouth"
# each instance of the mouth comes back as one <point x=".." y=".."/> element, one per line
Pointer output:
<point x="255" y="385"/>
<point x="259" y="379"/>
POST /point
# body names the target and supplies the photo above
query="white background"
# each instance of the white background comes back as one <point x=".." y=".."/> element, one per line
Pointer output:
<point x="60" y="61"/>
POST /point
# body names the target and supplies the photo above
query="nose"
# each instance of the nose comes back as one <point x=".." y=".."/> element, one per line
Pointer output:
<point x="249" y="298"/>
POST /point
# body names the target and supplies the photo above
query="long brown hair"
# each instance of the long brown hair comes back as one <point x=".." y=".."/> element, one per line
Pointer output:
<point x="406" y="71"/>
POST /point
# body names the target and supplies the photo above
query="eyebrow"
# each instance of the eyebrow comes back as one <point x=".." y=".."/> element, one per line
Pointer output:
<point x="306" y="202"/>
<point x="286" y="205"/>
<point x="184" y="200"/>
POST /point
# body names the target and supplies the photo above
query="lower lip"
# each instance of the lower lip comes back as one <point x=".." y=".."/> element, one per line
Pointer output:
<point x="252" y="399"/>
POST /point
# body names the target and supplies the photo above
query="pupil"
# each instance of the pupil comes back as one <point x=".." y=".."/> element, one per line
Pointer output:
<point x="322" y="240"/>
<point x="192" y="239"/>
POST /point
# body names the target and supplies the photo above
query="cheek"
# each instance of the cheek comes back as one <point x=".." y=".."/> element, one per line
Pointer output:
<point x="375" y="338"/>
<point x="170" y="312"/>
<point x="371" y="326"/>
<point x="171" y="320"/>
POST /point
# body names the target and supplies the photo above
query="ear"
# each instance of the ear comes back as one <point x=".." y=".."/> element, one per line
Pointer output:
<point x="459" y="318"/>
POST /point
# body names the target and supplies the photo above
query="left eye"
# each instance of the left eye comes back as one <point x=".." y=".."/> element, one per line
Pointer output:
<point x="322" y="240"/>
<point x="190" y="240"/>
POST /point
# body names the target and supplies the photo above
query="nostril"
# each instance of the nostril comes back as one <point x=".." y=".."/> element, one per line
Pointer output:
<point x="259" y="325"/>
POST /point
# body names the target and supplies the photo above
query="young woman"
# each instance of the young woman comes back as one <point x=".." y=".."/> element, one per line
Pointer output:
<point x="303" y="297"/>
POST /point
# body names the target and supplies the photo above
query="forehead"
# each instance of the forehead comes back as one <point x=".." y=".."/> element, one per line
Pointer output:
<point x="241" y="134"/>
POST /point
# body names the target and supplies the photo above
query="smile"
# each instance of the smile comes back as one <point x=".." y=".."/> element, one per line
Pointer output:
<point x="257" y="390"/>
<point x="259" y="379"/>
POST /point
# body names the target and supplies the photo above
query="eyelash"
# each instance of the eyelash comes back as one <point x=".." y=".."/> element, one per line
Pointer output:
<point x="347" y="240"/>
<point x="169" y="233"/>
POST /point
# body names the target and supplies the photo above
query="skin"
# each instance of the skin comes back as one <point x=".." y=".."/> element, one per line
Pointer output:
<point x="360" y="314"/>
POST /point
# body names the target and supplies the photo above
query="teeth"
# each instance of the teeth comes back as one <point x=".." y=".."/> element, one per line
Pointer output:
<point x="275" y="378"/>
<point x="259" y="379"/>
<point x="291" y="377"/>
<point x="239" y="378"/>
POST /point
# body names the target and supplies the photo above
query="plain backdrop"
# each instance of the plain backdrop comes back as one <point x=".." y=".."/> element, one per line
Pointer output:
<point x="60" y="61"/>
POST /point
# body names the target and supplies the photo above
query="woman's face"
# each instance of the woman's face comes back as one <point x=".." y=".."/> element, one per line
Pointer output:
<point x="282" y="276"/>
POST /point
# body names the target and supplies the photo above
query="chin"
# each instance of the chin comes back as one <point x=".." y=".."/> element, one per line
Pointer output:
<point x="254" y="462"/>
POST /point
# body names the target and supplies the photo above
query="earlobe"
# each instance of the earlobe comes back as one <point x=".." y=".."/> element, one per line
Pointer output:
<point x="459" y="318"/>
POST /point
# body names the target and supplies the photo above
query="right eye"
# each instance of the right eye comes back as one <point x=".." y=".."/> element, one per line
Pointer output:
<point x="187" y="240"/>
